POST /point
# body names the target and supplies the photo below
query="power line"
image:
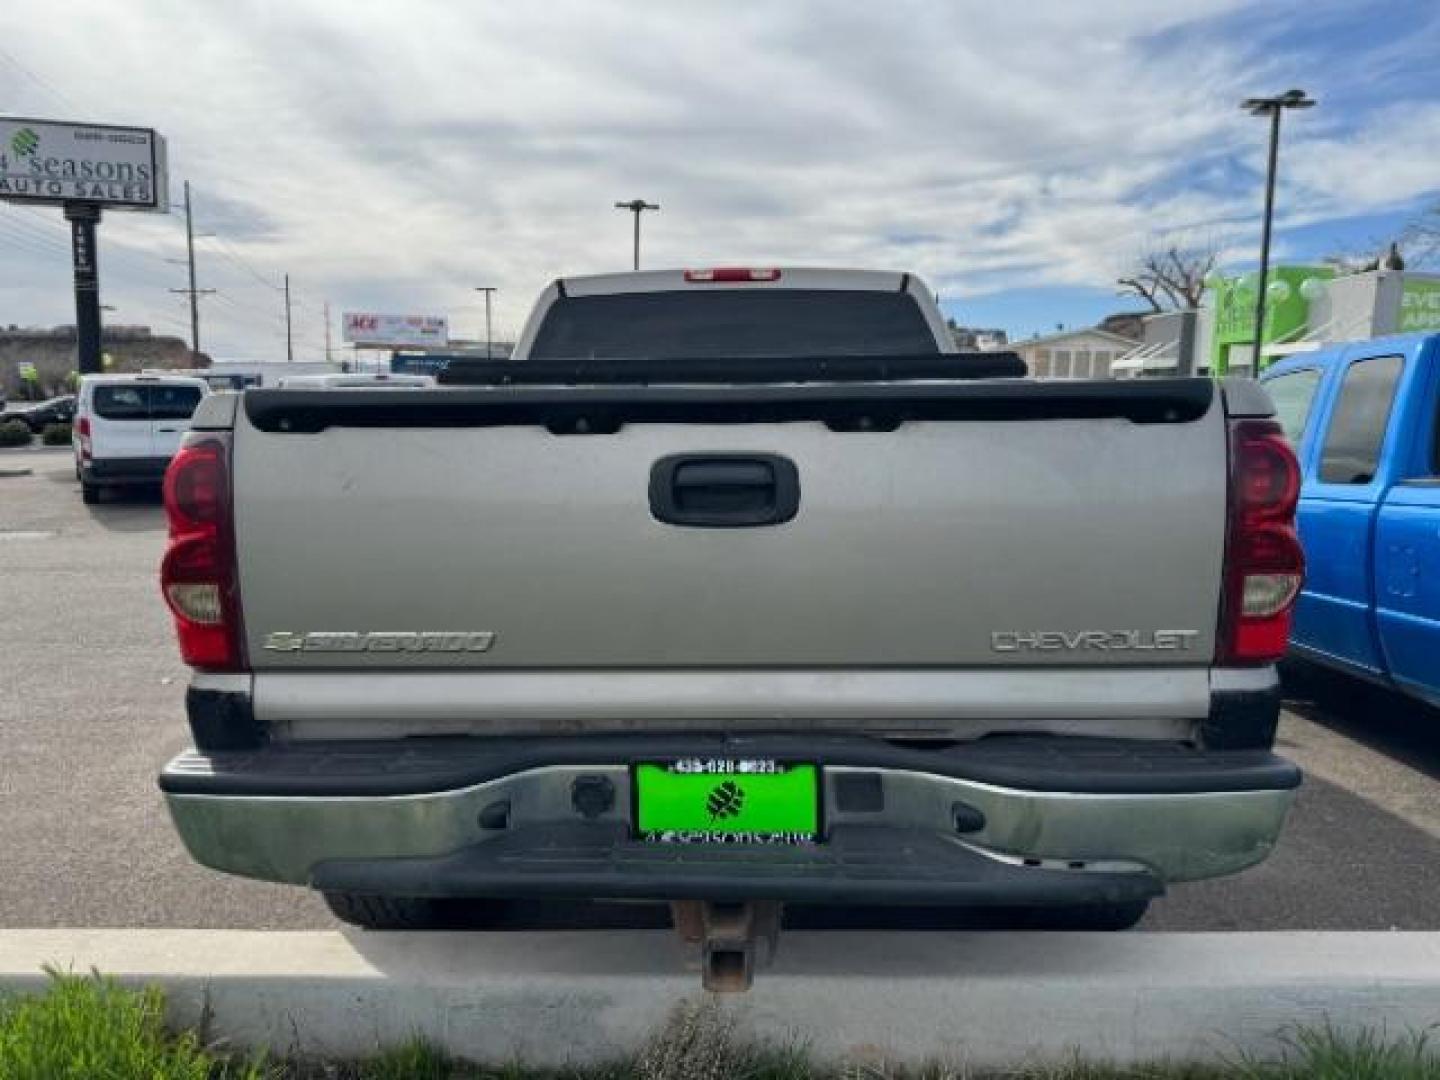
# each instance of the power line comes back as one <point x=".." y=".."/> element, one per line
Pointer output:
<point x="234" y="256"/>
<point x="46" y="242"/>
<point x="123" y="254"/>
<point x="48" y="87"/>
<point x="246" y="307"/>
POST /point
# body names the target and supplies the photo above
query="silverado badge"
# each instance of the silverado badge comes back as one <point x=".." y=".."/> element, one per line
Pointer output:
<point x="381" y="641"/>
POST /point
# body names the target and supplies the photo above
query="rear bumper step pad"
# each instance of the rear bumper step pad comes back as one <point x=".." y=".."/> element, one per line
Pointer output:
<point x="858" y="865"/>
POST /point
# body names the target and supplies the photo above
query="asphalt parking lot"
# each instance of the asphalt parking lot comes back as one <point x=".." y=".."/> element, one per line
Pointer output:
<point x="91" y="705"/>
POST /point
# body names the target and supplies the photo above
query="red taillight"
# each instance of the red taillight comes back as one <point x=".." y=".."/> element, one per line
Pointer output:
<point x="721" y="274"/>
<point x="82" y="428"/>
<point x="197" y="575"/>
<point x="1264" y="564"/>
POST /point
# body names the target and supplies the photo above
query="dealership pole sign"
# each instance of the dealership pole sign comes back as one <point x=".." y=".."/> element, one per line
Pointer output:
<point x="84" y="169"/>
<point x="42" y="161"/>
<point x="367" y="330"/>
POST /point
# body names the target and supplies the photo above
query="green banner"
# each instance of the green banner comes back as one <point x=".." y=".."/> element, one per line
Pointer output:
<point x="1420" y="305"/>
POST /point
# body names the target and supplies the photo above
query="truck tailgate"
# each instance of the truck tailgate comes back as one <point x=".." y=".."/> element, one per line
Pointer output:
<point x="1017" y="529"/>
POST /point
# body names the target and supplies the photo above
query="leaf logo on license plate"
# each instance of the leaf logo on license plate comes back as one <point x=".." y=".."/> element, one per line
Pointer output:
<point x="726" y="801"/>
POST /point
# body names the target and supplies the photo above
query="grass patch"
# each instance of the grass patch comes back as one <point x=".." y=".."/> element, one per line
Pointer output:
<point x="86" y="1027"/>
<point x="1326" y="1054"/>
<point x="91" y="1028"/>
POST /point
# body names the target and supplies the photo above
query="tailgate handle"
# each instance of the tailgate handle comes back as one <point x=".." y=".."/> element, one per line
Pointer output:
<point x="724" y="491"/>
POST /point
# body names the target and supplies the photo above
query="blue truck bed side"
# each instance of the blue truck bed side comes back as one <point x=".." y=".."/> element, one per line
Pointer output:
<point x="1365" y="418"/>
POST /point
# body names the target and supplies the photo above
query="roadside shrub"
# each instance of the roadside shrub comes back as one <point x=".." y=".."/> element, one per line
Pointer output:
<point x="56" y="435"/>
<point x="14" y="433"/>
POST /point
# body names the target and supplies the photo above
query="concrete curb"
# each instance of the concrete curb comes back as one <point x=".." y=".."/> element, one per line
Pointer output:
<point x="587" y="996"/>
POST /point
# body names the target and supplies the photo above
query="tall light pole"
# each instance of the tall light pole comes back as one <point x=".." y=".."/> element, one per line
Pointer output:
<point x="1271" y="107"/>
<point x="637" y="207"/>
<point x="487" y="290"/>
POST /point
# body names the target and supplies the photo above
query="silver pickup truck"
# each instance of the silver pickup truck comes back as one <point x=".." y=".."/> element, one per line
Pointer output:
<point x="734" y="586"/>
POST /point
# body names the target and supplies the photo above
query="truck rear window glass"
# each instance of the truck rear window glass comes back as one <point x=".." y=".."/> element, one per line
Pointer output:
<point x="1357" y="427"/>
<point x="121" y="403"/>
<point x="1293" y="394"/>
<point x="173" y="402"/>
<point x="721" y="323"/>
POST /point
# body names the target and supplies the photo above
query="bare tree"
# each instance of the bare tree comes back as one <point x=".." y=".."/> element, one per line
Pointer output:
<point x="1170" y="277"/>
<point x="1421" y="238"/>
<point x="1416" y="246"/>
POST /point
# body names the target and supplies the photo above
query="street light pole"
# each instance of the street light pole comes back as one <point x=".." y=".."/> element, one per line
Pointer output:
<point x="1271" y="107"/>
<point x="487" y="290"/>
<point x="637" y="207"/>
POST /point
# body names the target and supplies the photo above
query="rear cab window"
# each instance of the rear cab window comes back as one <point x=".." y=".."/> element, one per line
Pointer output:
<point x="1351" y="451"/>
<point x="734" y="323"/>
<point x="1294" y="395"/>
<point x="146" y="401"/>
<point x="175" y="402"/>
<point x="121" y="401"/>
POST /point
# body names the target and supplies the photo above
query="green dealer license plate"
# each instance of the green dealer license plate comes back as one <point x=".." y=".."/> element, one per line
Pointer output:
<point x="727" y="801"/>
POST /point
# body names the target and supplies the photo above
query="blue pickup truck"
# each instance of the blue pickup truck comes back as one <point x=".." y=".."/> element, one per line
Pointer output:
<point x="1365" y="421"/>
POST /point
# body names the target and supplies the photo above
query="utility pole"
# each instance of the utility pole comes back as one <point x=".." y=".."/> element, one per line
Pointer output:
<point x="1271" y="107"/>
<point x="289" y="339"/>
<point x="637" y="207"/>
<point x="489" y="338"/>
<point x="192" y="291"/>
<point x="327" y="331"/>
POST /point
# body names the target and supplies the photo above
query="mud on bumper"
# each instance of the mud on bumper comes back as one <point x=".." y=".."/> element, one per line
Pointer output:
<point x="1005" y="821"/>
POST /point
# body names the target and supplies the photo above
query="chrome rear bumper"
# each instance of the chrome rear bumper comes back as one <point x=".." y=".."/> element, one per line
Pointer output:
<point x="1202" y="818"/>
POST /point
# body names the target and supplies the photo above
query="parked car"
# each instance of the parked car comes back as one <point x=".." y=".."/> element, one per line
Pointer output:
<point x="128" y="427"/>
<point x="37" y="415"/>
<point x="735" y="586"/>
<point x="1365" y="418"/>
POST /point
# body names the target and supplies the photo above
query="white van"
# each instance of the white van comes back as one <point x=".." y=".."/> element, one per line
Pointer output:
<point x="128" y="427"/>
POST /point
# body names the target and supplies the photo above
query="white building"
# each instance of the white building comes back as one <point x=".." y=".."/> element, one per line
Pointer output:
<point x="1072" y="354"/>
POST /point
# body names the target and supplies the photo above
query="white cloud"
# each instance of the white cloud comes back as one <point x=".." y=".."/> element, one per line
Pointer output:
<point x="393" y="156"/>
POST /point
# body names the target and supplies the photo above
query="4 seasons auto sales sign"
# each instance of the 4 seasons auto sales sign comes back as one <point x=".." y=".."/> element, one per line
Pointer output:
<point x="365" y="328"/>
<point x="51" y="163"/>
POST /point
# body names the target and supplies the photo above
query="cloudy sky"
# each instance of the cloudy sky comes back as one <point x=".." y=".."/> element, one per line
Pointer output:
<point x="390" y="156"/>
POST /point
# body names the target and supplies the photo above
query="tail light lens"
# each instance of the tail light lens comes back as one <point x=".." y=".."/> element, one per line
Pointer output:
<point x="82" y="428"/>
<point x="1264" y="564"/>
<point x="197" y="575"/>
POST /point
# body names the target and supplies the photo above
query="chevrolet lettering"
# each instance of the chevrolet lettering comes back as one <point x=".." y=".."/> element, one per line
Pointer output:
<point x="1096" y="640"/>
